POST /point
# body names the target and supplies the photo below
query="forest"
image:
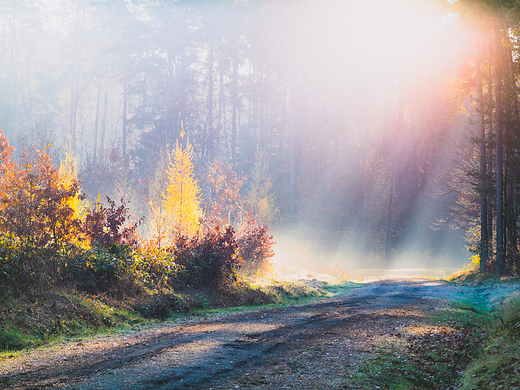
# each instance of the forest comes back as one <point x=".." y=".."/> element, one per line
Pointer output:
<point x="170" y="139"/>
<point x="176" y="174"/>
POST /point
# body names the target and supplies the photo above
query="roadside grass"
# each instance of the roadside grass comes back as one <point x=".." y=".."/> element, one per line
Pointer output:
<point x="472" y="343"/>
<point x="498" y="364"/>
<point x="279" y="293"/>
<point x="52" y="318"/>
<point x="13" y="340"/>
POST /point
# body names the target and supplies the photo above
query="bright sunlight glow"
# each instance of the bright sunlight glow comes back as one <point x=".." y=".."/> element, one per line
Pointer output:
<point x="392" y="40"/>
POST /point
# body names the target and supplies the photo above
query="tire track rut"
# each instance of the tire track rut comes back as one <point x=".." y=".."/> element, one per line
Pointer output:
<point x="237" y="349"/>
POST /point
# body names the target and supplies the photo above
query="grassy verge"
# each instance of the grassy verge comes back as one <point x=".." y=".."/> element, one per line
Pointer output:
<point x="52" y="317"/>
<point x="498" y="364"/>
<point x="37" y="319"/>
<point x="472" y="343"/>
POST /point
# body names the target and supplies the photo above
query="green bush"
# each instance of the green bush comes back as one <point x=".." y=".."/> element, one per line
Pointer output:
<point x="23" y="265"/>
<point x="161" y="306"/>
<point x="155" y="267"/>
<point x="509" y="315"/>
<point x="99" y="269"/>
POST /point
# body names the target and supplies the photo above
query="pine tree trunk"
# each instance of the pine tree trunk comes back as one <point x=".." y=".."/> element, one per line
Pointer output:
<point x="363" y="201"/>
<point x="489" y="109"/>
<point x="221" y="108"/>
<point x="14" y="81"/>
<point x="210" y="140"/>
<point x="294" y="127"/>
<point x="512" y="161"/>
<point x="482" y="174"/>
<point x="103" y="128"/>
<point x="71" y="115"/>
<point x="499" y="156"/>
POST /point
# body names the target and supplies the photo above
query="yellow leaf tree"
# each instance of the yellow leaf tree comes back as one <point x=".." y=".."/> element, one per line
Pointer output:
<point x="68" y="174"/>
<point x="181" y="199"/>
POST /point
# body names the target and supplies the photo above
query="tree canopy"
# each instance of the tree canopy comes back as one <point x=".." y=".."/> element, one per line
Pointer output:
<point x="356" y="107"/>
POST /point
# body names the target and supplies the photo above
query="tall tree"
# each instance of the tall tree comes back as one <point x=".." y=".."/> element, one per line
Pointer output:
<point x="500" y="251"/>
<point x="182" y="196"/>
<point x="482" y="168"/>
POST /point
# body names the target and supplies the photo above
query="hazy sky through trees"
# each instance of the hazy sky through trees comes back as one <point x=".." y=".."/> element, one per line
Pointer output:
<point x="353" y="103"/>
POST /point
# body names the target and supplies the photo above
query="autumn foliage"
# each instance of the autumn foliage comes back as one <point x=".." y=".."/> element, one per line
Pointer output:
<point x="105" y="226"/>
<point x="256" y="247"/>
<point x="182" y="196"/>
<point x="50" y="235"/>
<point x="34" y="201"/>
<point x="210" y="259"/>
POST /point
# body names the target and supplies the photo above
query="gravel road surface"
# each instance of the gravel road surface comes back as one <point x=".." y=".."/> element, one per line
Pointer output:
<point x="309" y="346"/>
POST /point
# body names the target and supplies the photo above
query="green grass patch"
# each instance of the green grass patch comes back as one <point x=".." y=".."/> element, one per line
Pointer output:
<point x="498" y="366"/>
<point x="340" y="287"/>
<point x="498" y="362"/>
<point x="274" y="293"/>
<point x="13" y="340"/>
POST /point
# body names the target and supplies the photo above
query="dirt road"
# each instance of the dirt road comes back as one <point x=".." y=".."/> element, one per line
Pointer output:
<point x="311" y="346"/>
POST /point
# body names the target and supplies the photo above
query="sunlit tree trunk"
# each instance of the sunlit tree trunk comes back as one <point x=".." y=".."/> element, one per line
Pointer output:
<point x="499" y="155"/>
<point x="209" y="136"/>
<point x="482" y="173"/>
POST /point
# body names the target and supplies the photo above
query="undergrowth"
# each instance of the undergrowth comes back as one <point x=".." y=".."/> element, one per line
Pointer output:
<point x="35" y="320"/>
<point x="69" y="267"/>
